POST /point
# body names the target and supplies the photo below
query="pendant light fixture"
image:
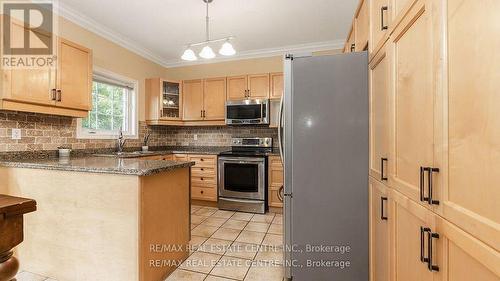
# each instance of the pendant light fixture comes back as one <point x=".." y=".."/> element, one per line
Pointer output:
<point x="207" y="52"/>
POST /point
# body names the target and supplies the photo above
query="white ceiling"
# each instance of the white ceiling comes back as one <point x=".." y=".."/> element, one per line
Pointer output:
<point x="161" y="29"/>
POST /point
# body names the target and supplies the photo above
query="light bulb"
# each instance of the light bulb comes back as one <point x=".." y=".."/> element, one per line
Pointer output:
<point x="189" y="55"/>
<point x="227" y="49"/>
<point x="207" y="53"/>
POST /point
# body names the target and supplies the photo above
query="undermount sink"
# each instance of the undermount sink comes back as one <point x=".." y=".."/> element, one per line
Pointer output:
<point x="125" y="154"/>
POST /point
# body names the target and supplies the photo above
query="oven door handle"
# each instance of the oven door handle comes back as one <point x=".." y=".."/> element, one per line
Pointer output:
<point x="242" y="160"/>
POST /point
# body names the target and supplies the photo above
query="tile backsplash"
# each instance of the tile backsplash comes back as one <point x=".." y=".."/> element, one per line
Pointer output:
<point x="48" y="132"/>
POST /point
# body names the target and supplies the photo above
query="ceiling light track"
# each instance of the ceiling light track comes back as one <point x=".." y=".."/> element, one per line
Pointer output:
<point x="207" y="52"/>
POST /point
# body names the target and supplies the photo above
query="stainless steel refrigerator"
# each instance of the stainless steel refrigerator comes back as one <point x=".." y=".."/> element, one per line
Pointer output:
<point x="324" y="147"/>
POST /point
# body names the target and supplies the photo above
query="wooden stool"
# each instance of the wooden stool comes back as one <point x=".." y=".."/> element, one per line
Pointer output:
<point x="12" y="210"/>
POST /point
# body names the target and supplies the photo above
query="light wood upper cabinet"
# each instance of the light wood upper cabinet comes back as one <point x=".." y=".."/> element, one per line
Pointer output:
<point x="379" y="116"/>
<point x="258" y="86"/>
<point x="379" y="231"/>
<point x="472" y="194"/>
<point x="409" y="221"/>
<point x="415" y="128"/>
<point x="276" y="85"/>
<point x="237" y="87"/>
<point x="248" y="86"/>
<point x="74" y="76"/>
<point x="350" y="44"/>
<point x="214" y="98"/>
<point x="362" y="26"/>
<point x="380" y="20"/>
<point x="193" y="99"/>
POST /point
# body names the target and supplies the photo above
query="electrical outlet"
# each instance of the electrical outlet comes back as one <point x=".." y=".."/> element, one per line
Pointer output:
<point x="16" y="134"/>
<point x="195" y="137"/>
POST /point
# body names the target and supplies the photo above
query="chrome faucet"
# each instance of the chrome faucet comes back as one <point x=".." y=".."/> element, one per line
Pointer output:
<point x="121" y="141"/>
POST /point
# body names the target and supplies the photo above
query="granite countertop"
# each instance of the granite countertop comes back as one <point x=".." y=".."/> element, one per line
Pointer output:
<point x="105" y="165"/>
<point x="132" y="164"/>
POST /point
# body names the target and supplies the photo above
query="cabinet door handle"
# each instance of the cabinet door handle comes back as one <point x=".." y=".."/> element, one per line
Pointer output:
<point x="53" y="94"/>
<point x="382" y="200"/>
<point x="59" y="95"/>
<point x="423" y="230"/>
<point x="430" y="236"/>
<point x="430" y="171"/>
<point x="382" y="177"/>
<point x="201" y="113"/>
<point x="204" y="114"/>
<point x="421" y="184"/>
<point x="353" y="47"/>
<point x="382" y="26"/>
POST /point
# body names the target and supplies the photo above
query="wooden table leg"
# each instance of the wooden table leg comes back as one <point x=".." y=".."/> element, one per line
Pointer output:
<point x="8" y="266"/>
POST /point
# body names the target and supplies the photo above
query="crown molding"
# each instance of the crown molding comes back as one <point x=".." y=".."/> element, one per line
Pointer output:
<point x="91" y="25"/>
<point x="263" y="53"/>
<point x="119" y="39"/>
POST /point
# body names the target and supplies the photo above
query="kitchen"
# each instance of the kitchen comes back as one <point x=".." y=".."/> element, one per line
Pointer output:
<point x="347" y="149"/>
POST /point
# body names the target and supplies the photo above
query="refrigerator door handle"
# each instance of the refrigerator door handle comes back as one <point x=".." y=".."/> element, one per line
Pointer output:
<point x="280" y="136"/>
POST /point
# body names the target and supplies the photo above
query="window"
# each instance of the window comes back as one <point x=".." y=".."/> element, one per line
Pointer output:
<point x="114" y="102"/>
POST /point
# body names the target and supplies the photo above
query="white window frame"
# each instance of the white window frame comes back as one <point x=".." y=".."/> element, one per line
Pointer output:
<point x="129" y="133"/>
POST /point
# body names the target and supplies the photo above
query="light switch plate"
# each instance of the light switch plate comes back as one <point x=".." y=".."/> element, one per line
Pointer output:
<point x="16" y="134"/>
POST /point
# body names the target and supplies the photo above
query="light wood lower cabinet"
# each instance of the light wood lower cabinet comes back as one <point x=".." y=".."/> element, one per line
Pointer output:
<point x="425" y="246"/>
<point x="204" y="177"/>
<point x="380" y="216"/>
<point x="275" y="185"/>
<point x="408" y="239"/>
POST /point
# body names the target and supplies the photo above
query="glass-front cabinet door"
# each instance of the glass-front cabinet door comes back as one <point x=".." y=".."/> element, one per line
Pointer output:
<point x="170" y="99"/>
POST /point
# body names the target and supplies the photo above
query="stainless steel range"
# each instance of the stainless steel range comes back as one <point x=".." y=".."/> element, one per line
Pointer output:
<point x="242" y="175"/>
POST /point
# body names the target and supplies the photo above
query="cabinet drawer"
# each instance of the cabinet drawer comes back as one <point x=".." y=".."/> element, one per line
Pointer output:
<point x="203" y="181"/>
<point x="203" y="172"/>
<point x="274" y="199"/>
<point x="181" y="157"/>
<point x="204" y="193"/>
<point x="204" y="160"/>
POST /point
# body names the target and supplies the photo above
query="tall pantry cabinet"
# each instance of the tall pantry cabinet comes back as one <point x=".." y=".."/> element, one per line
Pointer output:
<point x="434" y="140"/>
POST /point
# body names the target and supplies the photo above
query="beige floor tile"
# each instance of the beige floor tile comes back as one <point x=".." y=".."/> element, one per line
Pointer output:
<point x="223" y="214"/>
<point x="216" y="246"/>
<point x="265" y="272"/>
<point x="196" y="242"/>
<point x="267" y="218"/>
<point x="217" y="278"/>
<point x="211" y="221"/>
<point x="28" y="276"/>
<point x="273" y="240"/>
<point x="230" y="267"/>
<point x="235" y="224"/>
<point x="200" y="262"/>
<point x="242" y="216"/>
<point x="276" y="229"/>
<point x="251" y="237"/>
<point x="204" y="230"/>
<point x="184" y="275"/>
<point x="257" y="226"/>
<point x="211" y="208"/>
<point x="226" y="234"/>
<point x="242" y="250"/>
<point x="270" y="254"/>
<point x="205" y="211"/>
<point x="195" y="208"/>
<point x="197" y="219"/>
<point x="278" y="219"/>
<point x="193" y="226"/>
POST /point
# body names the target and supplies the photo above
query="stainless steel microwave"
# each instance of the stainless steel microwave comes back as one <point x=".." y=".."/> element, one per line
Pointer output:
<point x="247" y="112"/>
